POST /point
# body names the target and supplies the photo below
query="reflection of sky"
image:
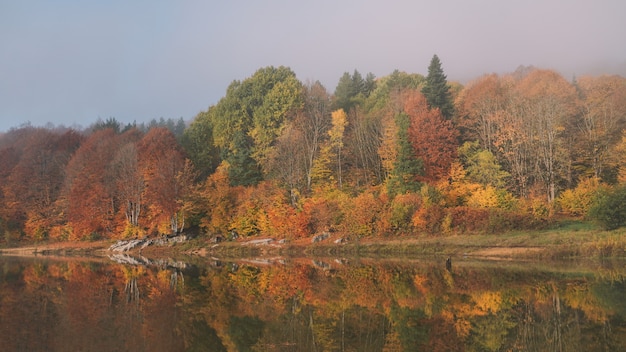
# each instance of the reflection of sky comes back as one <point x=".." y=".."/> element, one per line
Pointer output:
<point x="74" y="61"/>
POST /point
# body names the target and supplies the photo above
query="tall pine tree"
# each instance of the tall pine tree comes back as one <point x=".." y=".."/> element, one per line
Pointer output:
<point x="407" y="166"/>
<point x="436" y="89"/>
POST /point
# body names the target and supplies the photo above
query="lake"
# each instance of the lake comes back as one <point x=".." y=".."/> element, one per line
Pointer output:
<point x="304" y="304"/>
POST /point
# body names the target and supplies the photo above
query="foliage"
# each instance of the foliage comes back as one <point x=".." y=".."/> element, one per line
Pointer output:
<point x="272" y="158"/>
<point x="352" y="90"/>
<point x="197" y="140"/>
<point x="468" y="219"/>
<point x="432" y="137"/>
<point x="364" y="213"/>
<point x="406" y="166"/>
<point x="401" y="212"/>
<point x="250" y="117"/>
<point x="482" y="166"/>
<point x="218" y="198"/>
<point x="484" y="197"/>
<point x="610" y="208"/>
<point x="436" y="89"/>
<point x="578" y="201"/>
<point x="323" y="211"/>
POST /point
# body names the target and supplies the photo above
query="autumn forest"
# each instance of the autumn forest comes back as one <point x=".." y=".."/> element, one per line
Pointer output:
<point x="398" y="155"/>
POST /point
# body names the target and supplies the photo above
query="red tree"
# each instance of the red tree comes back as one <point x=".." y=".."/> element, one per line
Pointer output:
<point x="433" y="138"/>
<point x="161" y="162"/>
<point x="88" y="198"/>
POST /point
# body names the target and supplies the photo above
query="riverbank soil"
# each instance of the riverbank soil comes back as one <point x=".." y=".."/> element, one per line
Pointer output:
<point x="58" y="248"/>
<point x="577" y="240"/>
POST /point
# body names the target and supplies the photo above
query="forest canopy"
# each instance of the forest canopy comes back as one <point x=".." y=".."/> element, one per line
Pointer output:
<point x="396" y="155"/>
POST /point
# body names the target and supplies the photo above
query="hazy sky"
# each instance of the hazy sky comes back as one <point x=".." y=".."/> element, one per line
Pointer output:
<point x="71" y="62"/>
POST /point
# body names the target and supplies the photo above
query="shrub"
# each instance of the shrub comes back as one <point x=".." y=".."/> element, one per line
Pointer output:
<point x="467" y="219"/>
<point x="430" y="219"/>
<point x="609" y="210"/>
<point x="401" y="212"/>
<point x="484" y="197"/>
<point x="131" y="231"/>
<point x="579" y="200"/>
<point x="93" y="236"/>
<point x="323" y="214"/>
<point x="364" y="211"/>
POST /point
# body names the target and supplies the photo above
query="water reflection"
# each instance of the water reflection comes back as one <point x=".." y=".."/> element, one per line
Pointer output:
<point x="311" y="305"/>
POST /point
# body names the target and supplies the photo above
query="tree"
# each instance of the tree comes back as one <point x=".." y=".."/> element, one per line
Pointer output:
<point x="352" y="90"/>
<point x="161" y="162"/>
<point x="289" y="164"/>
<point x="197" y="140"/>
<point x="130" y="183"/>
<point x="436" y="89"/>
<point x="89" y="203"/>
<point x="328" y="166"/>
<point x="385" y="104"/>
<point x="479" y="106"/>
<point x="313" y="121"/>
<point x="219" y="199"/>
<point x="363" y="140"/>
<point x="111" y="123"/>
<point x="482" y="166"/>
<point x="406" y="166"/>
<point x="600" y="123"/>
<point x="610" y="208"/>
<point x="513" y="143"/>
<point x="432" y="137"/>
<point x="35" y="182"/>
<point x="279" y="106"/>
<point x="247" y="121"/>
<point x="547" y="104"/>
<point x="336" y="134"/>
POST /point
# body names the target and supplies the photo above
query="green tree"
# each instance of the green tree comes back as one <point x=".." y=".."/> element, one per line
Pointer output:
<point x="610" y="208"/>
<point x="436" y="90"/>
<point x="279" y="105"/>
<point x="407" y="166"/>
<point x="352" y="90"/>
<point x="197" y="140"/>
<point x="482" y="166"/>
<point x="247" y="121"/>
<point x="111" y="123"/>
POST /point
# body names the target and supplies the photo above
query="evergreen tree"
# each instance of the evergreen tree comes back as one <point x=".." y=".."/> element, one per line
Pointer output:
<point x="352" y="90"/>
<point x="407" y="166"/>
<point x="436" y="89"/>
<point x="345" y="92"/>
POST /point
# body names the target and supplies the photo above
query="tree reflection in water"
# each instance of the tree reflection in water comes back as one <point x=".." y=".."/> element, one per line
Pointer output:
<point x="301" y="305"/>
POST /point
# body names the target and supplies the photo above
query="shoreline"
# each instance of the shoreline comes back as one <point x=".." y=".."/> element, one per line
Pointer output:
<point x="540" y="245"/>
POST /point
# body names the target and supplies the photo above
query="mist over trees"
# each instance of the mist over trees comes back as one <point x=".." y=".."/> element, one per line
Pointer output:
<point x="395" y="155"/>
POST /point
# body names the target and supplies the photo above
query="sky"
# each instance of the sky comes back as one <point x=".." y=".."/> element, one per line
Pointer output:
<point x="71" y="62"/>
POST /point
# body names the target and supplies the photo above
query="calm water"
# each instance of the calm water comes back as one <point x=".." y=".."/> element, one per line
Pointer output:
<point x="311" y="305"/>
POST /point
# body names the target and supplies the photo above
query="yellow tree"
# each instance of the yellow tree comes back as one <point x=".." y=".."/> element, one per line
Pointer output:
<point x="388" y="151"/>
<point x="336" y="133"/>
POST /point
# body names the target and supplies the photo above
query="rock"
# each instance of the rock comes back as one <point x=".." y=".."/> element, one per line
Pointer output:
<point x="259" y="242"/>
<point x="320" y="237"/>
<point x="127" y="245"/>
